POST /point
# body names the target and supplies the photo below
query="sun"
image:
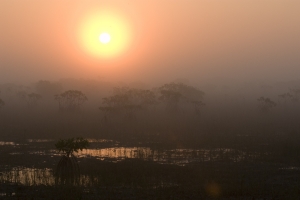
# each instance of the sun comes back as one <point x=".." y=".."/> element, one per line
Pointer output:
<point x="104" y="38"/>
<point x="104" y="34"/>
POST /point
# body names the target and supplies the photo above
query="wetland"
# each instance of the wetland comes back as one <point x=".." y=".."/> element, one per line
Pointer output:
<point x="170" y="142"/>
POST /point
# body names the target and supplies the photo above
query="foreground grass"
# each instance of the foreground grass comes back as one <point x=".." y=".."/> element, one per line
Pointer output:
<point x="273" y="176"/>
<point x="137" y="179"/>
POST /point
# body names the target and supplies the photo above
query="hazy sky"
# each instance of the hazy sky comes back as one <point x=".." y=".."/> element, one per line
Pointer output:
<point x="158" y="40"/>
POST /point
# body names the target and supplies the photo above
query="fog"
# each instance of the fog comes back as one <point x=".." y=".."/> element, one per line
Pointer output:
<point x="208" y="88"/>
<point x="206" y="42"/>
<point x="233" y="66"/>
<point x="241" y="56"/>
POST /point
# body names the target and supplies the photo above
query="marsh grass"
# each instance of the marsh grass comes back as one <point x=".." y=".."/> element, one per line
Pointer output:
<point x="242" y="171"/>
<point x="136" y="178"/>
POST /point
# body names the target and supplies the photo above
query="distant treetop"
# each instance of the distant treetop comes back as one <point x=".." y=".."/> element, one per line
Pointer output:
<point x="70" y="100"/>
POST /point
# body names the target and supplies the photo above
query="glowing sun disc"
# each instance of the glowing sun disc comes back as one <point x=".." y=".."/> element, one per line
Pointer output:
<point x="104" y="34"/>
<point x="104" y="38"/>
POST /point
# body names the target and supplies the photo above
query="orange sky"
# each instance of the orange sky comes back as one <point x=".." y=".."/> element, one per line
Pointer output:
<point x="194" y="39"/>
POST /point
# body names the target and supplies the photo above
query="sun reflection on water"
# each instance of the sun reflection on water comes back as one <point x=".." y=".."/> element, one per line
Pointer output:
<point x="2" y="143"/>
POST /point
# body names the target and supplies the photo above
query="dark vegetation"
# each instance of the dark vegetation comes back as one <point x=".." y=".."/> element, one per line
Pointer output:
<point x="67" y="171"/>
<point x="70" y="100"/>
<point x="251" y="135"/>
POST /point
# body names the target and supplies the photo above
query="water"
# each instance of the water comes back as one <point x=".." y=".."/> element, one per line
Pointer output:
<point x="106" y="151"/>
<point x="173" y="156"/>
<point x="2" y="143"/>
<point x="28" y="176"/>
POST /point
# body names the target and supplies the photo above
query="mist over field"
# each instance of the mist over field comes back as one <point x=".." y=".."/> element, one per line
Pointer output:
<point x="149" y="100"/>
<point x="176" y="111"/>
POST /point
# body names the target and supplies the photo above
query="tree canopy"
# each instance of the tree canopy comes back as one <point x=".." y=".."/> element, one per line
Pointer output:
<point x="68" y="146"/>
<point x="265" y="104"/>
<point x="70" y="100"/>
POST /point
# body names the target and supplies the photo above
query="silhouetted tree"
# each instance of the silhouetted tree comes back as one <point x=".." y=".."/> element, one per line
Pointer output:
<point x="147" y="98"/>
<point x="127" y="101"/>
<point x="197" y="106"/>
<point x="174" y="93"/>
<point x="67" y="170"/>
<point x="48" y="89"/>
<point x="22" y="95"/>
<point x="115" y="103"/>
<point x="265" y="104"/>
<point x="171" y="98"/>
<point x="33" y="99"/>
<point x="11" y="90"/>
<point x="70" y="100"/>
<point x="285" y="96"/>
<point x="295" y="94"/>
